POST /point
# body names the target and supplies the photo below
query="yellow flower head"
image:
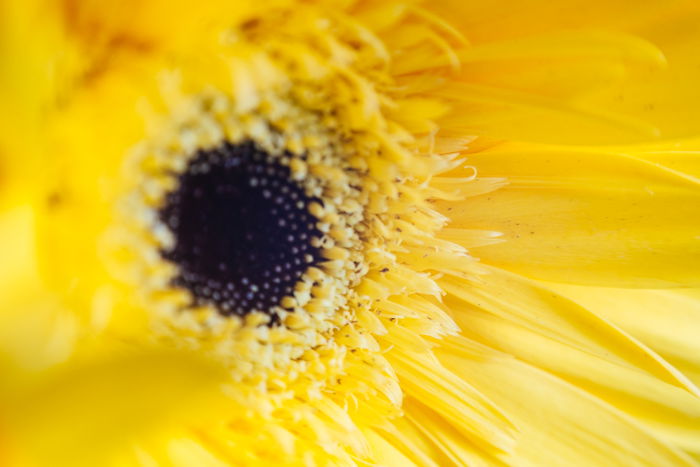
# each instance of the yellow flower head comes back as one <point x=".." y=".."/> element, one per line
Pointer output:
<point x="350" y="233"/>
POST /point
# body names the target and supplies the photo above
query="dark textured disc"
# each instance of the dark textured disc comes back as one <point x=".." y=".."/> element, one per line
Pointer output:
<point x="242" y="229"/>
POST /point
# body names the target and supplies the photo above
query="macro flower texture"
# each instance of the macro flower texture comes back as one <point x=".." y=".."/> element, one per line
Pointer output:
<point x="349" y="233"/>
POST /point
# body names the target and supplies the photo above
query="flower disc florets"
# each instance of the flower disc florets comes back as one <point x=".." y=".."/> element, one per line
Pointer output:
<point x="243" y="231"/>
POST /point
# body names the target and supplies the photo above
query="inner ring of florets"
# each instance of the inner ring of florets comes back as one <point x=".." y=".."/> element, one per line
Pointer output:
<point x="243" y="230"/>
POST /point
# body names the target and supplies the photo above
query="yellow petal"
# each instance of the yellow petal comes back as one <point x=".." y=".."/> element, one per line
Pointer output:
<point x="559" y="423"/>
<point x="670" y="412"/>
<point x="630" y="101"/>
<point x="185" y="452"/>
<point x="586" y="216"/>
<point x="682" y="156"/>
<point x="541" y="311"/>
<point x="537" y="89"/>
<point x="503" y="19"/>
<point x="536" y="325"/>
<point x="424" y="379"/>
<point x="447" y="437"/>
<point x="385" y="453"/>
<point x="665" y="98"/>
<point x="87" y="412"/>
<point x="668" y="321"/>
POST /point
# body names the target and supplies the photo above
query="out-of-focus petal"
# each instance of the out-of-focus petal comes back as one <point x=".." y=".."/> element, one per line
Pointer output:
<point x="576" y="89"/>
<point x="86" y="412"/>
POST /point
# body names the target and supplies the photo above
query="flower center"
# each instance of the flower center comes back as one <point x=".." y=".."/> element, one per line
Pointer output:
<point x="242" y="227"/>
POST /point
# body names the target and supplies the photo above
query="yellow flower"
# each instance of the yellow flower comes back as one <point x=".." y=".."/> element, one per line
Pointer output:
<point x="350" y="233"/>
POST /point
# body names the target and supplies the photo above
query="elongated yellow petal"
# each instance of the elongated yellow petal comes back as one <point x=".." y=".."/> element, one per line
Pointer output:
<point x="487" y="22"/>
<point x="559" y="423"/>
<point x="513" y="114"/>
<point x="630" y="102"/>
<point x="668" y="321"/>
<point x="386" y="454"/>
<point x="530" y="322"/>
<point x="539" y="310"/>
<point x="668" y="411"/>
<point x="447" y="437"/>
<point x="453" y="399"/>
<point x="682" y="156"/>
<point x="589" y="217"/>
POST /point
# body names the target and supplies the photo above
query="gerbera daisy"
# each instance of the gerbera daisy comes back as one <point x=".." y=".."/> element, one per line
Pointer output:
<point x="350" y="233"/>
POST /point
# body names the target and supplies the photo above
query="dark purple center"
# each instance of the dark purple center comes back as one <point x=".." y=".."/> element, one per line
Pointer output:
<point x="242" y="227"/>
